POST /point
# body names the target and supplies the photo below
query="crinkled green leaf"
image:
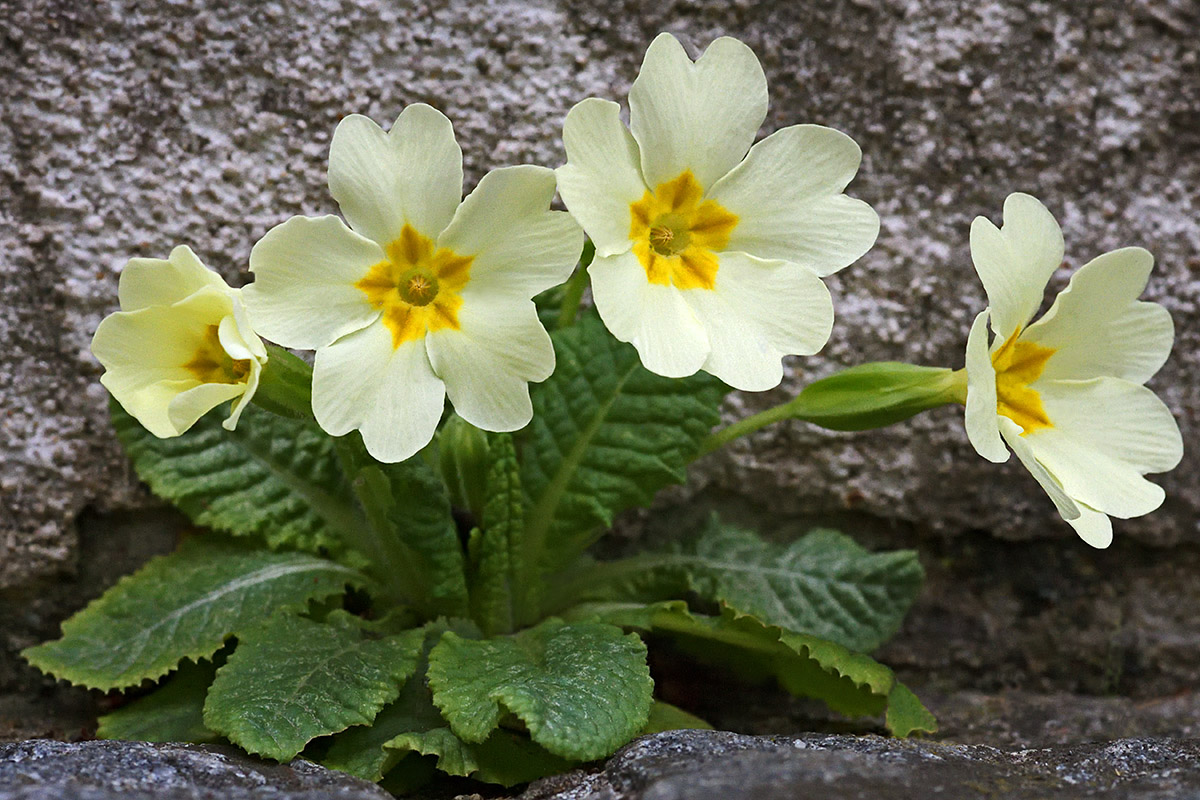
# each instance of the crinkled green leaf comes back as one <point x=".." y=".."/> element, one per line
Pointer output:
<point x="413" y="725"/>
<point x="362" y="751"/>
<point x="606" y="435"/>
<point x="666" y="717"/>
<point x="850" y="683"/>
<point x="499" y="585"/>
<point x="505" y="757"/>
<point x="275" y="478"/>
<point x="418" y="548"/>
<point x="293" y="679"/>
<point x="824" y="584"/>
<point x="183" y="605"/>
<point x="582" y="689"/>
<point x="174" y="712"/>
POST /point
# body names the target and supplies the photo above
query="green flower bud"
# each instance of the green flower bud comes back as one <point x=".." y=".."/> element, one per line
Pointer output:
<point x="463" y="462"/>
<point x="877" y="394"/>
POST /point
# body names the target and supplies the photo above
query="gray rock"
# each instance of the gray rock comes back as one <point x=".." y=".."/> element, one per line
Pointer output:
<point x="48" y="770"/>
<point x="704" y="765"/>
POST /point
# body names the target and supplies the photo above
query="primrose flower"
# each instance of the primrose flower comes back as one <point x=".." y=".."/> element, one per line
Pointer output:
<point x="709" y="257"/>
<point x="180" y="345"/>
<point x="424" y="294"/>
<point x="1066" y="393"/>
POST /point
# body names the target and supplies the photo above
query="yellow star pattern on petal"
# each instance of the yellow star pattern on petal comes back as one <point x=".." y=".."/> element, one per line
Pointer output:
<point x="1018" y="364"/>
<point x="676" y="233"/>
<point x="417" y="287"/>
<point x="212" y="364"/>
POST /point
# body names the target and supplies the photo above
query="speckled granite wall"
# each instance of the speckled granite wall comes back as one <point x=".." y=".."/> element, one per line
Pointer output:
<point x="128" y="127"/>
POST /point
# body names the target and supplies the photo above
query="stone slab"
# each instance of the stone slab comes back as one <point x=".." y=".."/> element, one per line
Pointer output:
<point x="42" y="769"/>
<point x="707" y="765"/>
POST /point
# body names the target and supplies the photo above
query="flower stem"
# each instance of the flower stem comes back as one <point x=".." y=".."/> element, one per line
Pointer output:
<point x="746" y="426"/>
<point x="576" y="284"/>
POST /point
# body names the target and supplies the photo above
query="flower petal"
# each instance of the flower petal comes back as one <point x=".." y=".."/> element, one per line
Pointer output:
<point x="757" y="312"/>
<point x="303" y="293"/>
<point x="602" y="176"/>
<point x="190" y="405"/>
<point x="240" y="404"/>
<point x="787" y="197"/>
<point x="700" y="116"/>
<point x="1094" y="527"/>
<point x="519" y="246"/>
<point x="1087" y="463"/>
<point x="1015" y="262"/>
<point x="983" y="427"/>
<point x="1098" y="327"/>
<point x="1068" y="509"/>
<point x="1120" y="419"/>
<point x="389" y="394"/>
<point x="487" y="364"/>
<point x="412" y="174"/>
<point x="161" y="282"/>
<point x="654" y="318"/>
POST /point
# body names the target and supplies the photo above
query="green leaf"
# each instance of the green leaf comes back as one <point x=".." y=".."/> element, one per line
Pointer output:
<point x="666" y="717"/>
<point x="606" y="435"/>
<point x="172" y="713"/>
<point x="183" y="605"/>
<point x="292" y="679"/>
<point x="505" y="757"/>
<point x="413" y="725"/>
<point x="905" y="713"/>
<point x="824" y="583"/>
<point x="582" y="689"/>
<point x="274" y="477"/>
<point x="362" y="751"/>
<point x="500" y="587"/>
<point x="408" y="510"/>
<point x="850" y="683"/>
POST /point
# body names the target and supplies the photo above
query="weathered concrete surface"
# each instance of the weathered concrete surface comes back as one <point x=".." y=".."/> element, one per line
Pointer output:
<point x="706" y="765"/>
<point x="48" y="770"/>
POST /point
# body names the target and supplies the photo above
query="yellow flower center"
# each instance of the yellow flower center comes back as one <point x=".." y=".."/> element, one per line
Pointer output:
<point x="676" y="233"/>
<point x="1019" y="364"/>
<point x="212" y="364"/>
<point x="417" y="287"/>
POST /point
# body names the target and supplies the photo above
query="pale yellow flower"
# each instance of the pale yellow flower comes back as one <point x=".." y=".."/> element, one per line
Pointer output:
<point x="710" y="252"/>
<point x="180" y="345"/>
<point x="424" y="295"/>
<point x="1065" y="393"/>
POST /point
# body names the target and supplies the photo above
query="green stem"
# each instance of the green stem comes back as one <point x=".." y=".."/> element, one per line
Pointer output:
<point x="389" y="561"/>
<point x="285" y="387"/>
<point x="744" y="427"/>
<point x="576" y="284"/>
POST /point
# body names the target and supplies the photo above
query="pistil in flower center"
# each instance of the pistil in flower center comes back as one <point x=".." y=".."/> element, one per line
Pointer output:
<point x="418" y="287"/>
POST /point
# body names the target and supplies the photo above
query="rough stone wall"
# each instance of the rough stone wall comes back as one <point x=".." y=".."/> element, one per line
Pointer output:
<point x="129" y="127"/>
